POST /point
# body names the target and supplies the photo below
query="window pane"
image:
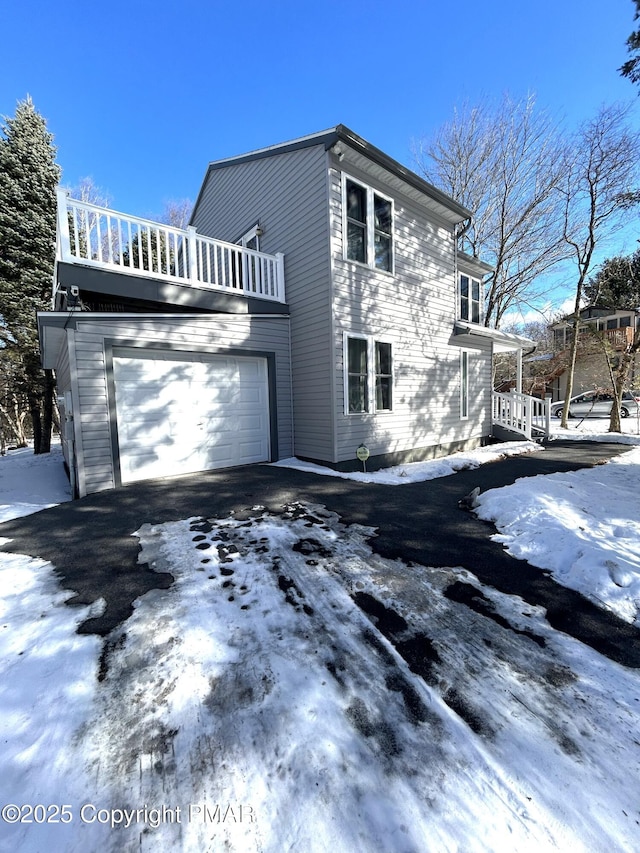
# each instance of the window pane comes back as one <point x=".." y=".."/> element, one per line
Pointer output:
<point x="475" y="312"/>
<point x="383" y="392"/>
<point x="464" y="309"/>
<point x="475" y="290"/>
<point x="383" y="252"/>
<point x="357" y="355"/>
<point x="382" y="210"/>
<point x="464" y="286"/>
<point x="383" y="358"/>
<point x="356" y="242"/>
<point x="356" y="202"/>
<point x="358" y="393"/>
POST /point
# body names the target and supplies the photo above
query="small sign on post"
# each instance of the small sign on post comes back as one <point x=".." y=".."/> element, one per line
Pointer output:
<point x="363" y="454"/>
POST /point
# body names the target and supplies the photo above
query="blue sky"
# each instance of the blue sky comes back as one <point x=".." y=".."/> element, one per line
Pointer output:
<point x="141" y="96"/>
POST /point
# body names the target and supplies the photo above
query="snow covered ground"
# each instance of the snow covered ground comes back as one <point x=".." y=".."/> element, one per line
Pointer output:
<point x="292" y="690"/>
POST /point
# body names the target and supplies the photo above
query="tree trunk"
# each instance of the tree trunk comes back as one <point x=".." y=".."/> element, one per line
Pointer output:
<point x="36" y="421"/>
<point x="47" y="415"/>
<point x="572" y="366"/>
<point x="621" y="376"/>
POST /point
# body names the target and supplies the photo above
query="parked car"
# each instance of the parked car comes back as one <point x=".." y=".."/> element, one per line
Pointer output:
<point x="596" y="404"/>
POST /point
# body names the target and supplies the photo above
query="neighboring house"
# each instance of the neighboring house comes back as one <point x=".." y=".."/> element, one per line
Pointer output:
<point x="316" y="303"/>
<point x="602" y="330"/>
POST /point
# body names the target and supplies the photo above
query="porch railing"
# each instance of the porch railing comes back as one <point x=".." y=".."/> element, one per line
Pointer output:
<point x="98" y="237"/>
<point x="528" y="416"/>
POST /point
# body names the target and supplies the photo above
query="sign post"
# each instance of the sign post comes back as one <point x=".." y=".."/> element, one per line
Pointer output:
<point x="363" y="454"/>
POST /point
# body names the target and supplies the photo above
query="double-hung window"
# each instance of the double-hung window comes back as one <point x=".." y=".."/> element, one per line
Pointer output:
<point x="368" y="375"/>
<point x="464" y="385"/>
<point x="470" y="299"/>
<point x="368" y="226"/>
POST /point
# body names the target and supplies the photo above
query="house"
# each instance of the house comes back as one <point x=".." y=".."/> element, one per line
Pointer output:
<point x="602" y="330"/>
<point x="315" y="303"/>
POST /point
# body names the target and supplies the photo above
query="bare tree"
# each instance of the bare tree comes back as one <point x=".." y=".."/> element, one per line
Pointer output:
<point x="504" y="163"/>
<point x="600" y="178"/>
<point x="177" y="212"/>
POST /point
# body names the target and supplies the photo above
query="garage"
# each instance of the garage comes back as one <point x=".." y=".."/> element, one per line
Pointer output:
<point x="178" y="412"/>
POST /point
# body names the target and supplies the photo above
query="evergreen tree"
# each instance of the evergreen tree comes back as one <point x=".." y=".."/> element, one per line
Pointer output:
<point x="28" y="179"/>
<point x="616" y="284"/>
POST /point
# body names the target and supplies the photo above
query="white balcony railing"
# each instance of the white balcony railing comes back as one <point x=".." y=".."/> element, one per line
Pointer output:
<point x="521" y="413"/>
<point x="98" y="237"/>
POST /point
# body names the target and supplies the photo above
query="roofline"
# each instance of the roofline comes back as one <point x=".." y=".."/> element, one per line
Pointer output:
<point x="473" y="261"/>
<point x="328" y="138"/>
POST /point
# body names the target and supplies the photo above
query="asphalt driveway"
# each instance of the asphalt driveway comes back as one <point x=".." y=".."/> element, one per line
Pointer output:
<point x="90" y="541"/>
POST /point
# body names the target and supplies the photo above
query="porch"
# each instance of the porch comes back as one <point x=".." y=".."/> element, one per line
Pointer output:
<point x="97" y="238"/>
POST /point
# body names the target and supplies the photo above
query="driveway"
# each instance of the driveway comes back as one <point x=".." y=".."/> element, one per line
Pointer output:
<point x="90" y="541"/>
<point x="330" y="665"/>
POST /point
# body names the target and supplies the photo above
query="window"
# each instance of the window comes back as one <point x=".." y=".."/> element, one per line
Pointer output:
<point x="249" y="266"/>
<point x="368" y="376"/>
<point x="383" y="376"/>
<point x="369" y="226"/>
<point x="470" y="299"/>
<point x="358" y="373"/>
<point x="464" y="385"/>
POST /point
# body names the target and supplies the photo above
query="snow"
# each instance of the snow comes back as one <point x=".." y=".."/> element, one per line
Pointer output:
<point x="30" y="483"/>
<point x="292" y="690"/>
<point x="417" y="472"/>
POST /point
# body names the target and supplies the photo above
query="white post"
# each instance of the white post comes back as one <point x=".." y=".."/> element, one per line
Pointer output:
<point x="192" y="244"/>
<point x="547" y="414"/>
<point x="519" y="371"/>
<point x="63" y="225"/>
<point x="280" y="275"/>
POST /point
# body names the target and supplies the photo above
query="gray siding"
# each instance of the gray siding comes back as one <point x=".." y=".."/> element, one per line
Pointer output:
<point x="287" y="194"/>
<point x="413" y="308"/>
<point x="94" y="337"/>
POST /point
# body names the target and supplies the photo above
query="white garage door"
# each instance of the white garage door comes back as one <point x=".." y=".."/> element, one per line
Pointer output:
<point x="178" y="414"/>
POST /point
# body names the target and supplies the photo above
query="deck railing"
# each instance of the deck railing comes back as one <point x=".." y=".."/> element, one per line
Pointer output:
<point x="521" y="413"/>
<point x="98" y="237"/>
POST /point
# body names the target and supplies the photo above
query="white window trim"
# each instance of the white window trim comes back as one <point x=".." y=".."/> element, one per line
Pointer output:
<point x="371" y="231"/>
<point x="251" y="234"/>
<point x="371" y="340"/>
<point x="464" y="384"/>
<point x="479" y="280"/>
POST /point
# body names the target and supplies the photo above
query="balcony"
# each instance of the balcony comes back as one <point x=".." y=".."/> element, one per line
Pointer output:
<point x="96" y="237"/>
<point x="618" y="339"/>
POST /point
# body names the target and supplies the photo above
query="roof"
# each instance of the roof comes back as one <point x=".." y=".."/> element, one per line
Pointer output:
<point x="329" y="138"/>
<point x="471" y="261"/>
<point x="502" y="341"/>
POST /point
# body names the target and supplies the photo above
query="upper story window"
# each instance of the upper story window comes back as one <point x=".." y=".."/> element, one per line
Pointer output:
<point x="470" y="299"/>
<point x="368" y="226"/>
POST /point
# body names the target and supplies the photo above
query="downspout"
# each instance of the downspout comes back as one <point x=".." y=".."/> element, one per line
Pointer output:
<point x="466" y="224"/>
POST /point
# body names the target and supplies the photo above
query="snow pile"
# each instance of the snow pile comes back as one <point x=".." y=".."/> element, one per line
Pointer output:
<point x="417" y="472"/>
<point x="583" y="526"/>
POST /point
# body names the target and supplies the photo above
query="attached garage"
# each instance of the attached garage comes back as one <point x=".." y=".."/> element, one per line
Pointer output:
<point x="154" y="395"/>
<point x="177" y="413"/>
